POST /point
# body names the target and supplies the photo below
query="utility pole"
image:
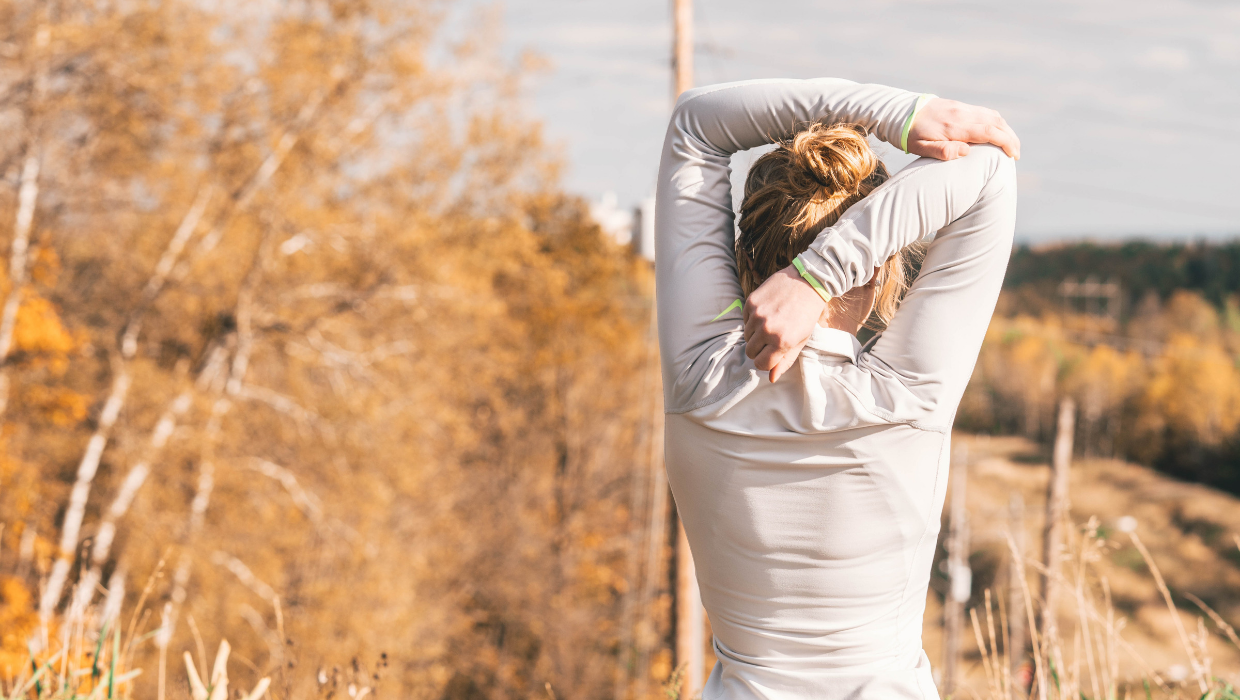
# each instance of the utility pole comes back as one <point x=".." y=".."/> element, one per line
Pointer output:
<point x="1056" y="516"/>
<point x="690" y="619"/>
<point x="682" y="44"/>
<point x="959" y="576"/>
<point x="690" y="622"/>
<point x="1016" y="598"/>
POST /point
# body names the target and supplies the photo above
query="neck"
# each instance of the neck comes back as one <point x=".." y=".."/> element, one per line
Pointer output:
<point x="849" y="312"/>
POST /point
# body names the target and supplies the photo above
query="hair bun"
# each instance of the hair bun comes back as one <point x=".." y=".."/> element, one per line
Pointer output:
<point x="797" y="190"/>
<point x="836" y="157"/>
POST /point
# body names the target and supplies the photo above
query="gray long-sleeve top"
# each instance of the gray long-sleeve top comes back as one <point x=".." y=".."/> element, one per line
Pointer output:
<point x="812" y="504"/>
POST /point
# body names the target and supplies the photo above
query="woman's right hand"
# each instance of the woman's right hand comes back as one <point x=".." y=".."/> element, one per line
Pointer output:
<point x="779" y="317"/>
<point x="944" y="129"/>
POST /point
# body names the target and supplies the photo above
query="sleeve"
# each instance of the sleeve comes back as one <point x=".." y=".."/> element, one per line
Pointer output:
<point x="700" y="328"/>
<point x="924" y="358"/>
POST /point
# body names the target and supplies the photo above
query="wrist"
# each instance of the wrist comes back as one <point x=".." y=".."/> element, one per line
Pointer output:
<point x="922" y="99"/>
<point x="798" y="269"/>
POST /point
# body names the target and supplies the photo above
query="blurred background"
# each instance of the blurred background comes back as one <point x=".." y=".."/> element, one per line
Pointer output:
<point x="327" y="331"/>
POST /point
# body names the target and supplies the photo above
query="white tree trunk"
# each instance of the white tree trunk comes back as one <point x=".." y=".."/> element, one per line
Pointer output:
<point x="134" y="480"/>
<point x="1057" y="504"/>
<point x="72" y="526"/>
<point x="89" y="465"/>
<point x="27" y="198"/>
<point x="19" y="256"/>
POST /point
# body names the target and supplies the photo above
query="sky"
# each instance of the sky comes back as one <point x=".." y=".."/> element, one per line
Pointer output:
<point x="1128" y="110"/>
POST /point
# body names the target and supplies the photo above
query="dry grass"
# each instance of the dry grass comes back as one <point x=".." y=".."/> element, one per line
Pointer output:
<point x="88" y="659"/>
<point x="92" y="657"/>
<point x="1084" y="660"/>
<point x="1132" y="622"/>
<point x="1106" y="648"/>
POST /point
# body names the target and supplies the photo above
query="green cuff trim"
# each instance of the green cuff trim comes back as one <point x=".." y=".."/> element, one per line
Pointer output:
<point x="734" y="305"/>
<point x="813" y="281"/>
<point x="922" y="99"/>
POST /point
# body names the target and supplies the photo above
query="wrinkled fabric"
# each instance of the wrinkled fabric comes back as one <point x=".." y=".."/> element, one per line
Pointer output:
<point x="812" y="505"/>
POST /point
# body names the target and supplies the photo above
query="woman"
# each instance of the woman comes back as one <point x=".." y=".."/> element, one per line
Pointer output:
<point x="812" y="500"/>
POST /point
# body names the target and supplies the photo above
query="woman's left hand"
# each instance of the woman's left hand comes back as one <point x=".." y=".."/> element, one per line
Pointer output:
<point x="944" y="129"/>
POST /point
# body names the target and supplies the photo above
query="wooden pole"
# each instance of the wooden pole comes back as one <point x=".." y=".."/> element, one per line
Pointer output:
<point x="959" y="576"/>
<point x="690" y="621"/>
<point x="682" y="44"/>
<point x="1056" y="516"/>
<point x="1016" y="597"/>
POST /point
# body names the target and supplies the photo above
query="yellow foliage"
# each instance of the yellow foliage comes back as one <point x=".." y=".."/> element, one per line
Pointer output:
<point x="58" y="405"/>
<point x="44" y="266"/>
<point x="40" y="331"/>
<point x="1104" y="378"/>
<point x="1194" y="388"/>
<point x="18" y="621"/>
<point x="1165" y="383"/>
<point x="411" y="364"/>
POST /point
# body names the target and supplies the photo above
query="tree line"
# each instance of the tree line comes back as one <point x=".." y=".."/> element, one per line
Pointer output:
<point x="1156" y="381"/>
<point x="1140" y="267"/>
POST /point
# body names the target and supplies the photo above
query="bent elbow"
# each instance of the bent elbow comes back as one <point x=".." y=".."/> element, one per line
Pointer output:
<point x="1001" y="166"/>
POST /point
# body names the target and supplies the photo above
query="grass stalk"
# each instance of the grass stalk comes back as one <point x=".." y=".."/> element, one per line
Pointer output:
<point x="1198" y="669"/>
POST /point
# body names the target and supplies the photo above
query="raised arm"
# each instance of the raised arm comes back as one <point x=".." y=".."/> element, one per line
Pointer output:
<point x="932" y="343"/>
<point x="930" y="347"/>
<point x="780" y="314"/>
<point x="700" y="332"/>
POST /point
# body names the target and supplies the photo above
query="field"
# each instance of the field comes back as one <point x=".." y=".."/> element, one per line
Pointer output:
<point x="1188" y="529"/>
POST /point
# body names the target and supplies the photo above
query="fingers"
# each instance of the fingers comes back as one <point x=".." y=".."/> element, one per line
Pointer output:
<point x="945" y="122"/>
<point x="1013" y="142"/>
<point x="785" y="363"/>
<point x="987" y="126"/>
<point x="768" y="359"/>
<point x="942" y="150"/>
<point x="755" y="340"/>
<point x="753" y="349"/>
<point x="1000" y="136"/>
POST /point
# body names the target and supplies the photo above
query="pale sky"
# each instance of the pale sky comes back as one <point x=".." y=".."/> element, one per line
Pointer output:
<point x="1128" y="110"/>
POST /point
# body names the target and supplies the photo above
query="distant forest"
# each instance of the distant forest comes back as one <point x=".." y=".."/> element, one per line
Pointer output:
<point x="1141" y="267"/>
<point x="1156" y="381"/>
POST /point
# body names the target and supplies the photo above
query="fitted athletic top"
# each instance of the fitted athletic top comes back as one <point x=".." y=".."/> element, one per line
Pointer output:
<point x="812" y="505"/>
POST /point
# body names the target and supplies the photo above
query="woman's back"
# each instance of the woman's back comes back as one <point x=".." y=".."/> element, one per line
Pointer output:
<point x="813" y="523"/>
<point x="812" y="504"/>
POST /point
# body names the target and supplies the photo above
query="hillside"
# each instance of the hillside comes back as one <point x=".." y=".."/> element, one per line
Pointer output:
<point x="1188" y="528"/>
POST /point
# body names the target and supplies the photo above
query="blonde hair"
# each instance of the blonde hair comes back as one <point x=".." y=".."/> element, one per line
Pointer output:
<point x="802" y="187"/>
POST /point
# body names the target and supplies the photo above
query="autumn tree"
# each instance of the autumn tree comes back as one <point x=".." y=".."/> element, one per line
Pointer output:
<point x="309" y="352"/>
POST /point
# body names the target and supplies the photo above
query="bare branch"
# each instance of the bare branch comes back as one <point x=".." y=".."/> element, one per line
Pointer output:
<point x="306" y="501"/>
<point x="244" y="575"/>
<point x="244" y="196"/>
<point x="197" y="513"/>
<point x="279" y="402"/>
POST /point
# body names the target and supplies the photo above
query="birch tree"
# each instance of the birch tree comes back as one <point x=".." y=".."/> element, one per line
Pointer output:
<point x="312" y="300"/>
